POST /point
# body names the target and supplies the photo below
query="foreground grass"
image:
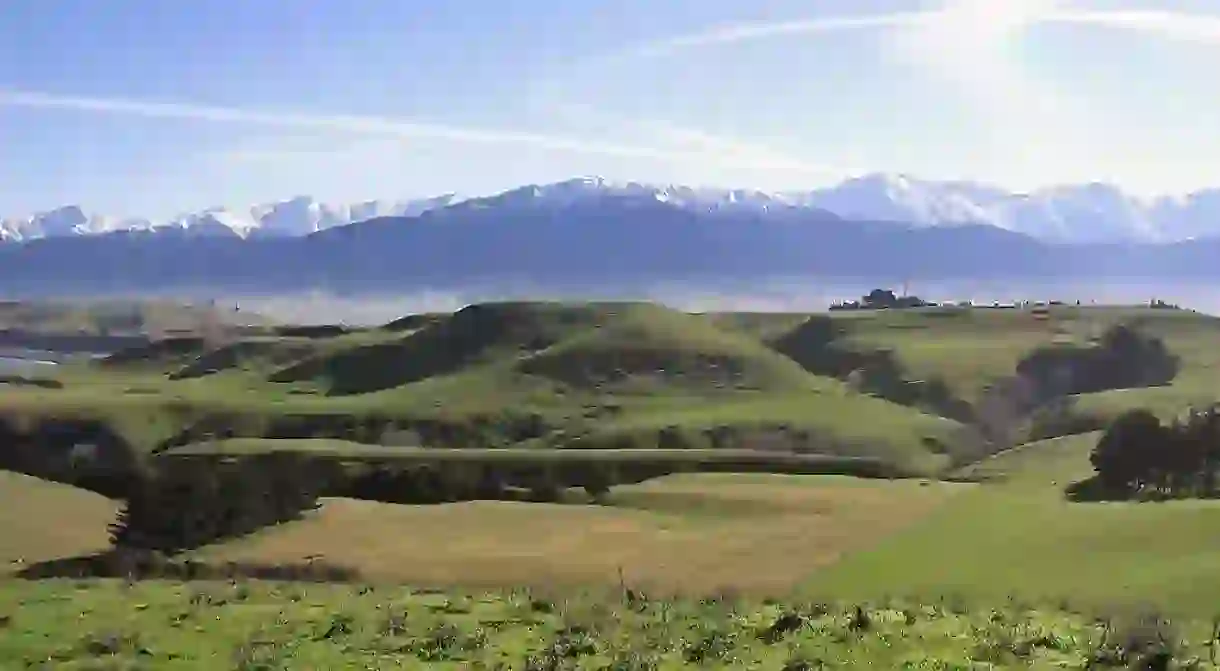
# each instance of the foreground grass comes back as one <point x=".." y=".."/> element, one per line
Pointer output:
<point x="264" y="626"/>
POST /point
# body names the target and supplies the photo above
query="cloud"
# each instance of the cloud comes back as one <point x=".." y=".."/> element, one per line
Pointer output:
<point x="344" y="124"/>
<point x="1175" y="25"/>
<point x="756" y="30"/>
<point x="392" y="129"/>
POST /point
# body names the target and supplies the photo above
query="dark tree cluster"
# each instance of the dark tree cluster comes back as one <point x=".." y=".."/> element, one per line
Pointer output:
<point x="820" y="347"/>
<point x="882" y="299"/>
<point x="481" y="431"/>
<point x="185" y="506"/>
<point x="1122" y="358"/>
<point x="84" y="453"/>
<point x="1140" y="456"/>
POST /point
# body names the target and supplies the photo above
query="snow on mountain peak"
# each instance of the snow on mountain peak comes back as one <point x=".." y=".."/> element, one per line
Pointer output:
<point x="296" y="216"/>
<point x="1092" y="212"/>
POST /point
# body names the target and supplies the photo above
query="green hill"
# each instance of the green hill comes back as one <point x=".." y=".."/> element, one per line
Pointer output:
<point x="475" y="334"/>
<point x="643" y="348"/>
<point x="247" y="355"/>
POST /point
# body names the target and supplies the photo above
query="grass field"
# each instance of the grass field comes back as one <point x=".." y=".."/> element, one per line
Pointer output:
<point x="613" y="380"/>
<point x="1021" y="537"/>
<point x="695" y="534"/>
<point x="261" y="626"/>
<point x="41" y="520"/>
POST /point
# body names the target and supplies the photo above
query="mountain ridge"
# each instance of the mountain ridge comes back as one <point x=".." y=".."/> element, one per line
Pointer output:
<point x="581" y="233"/>
<point x="1079" y="213"/>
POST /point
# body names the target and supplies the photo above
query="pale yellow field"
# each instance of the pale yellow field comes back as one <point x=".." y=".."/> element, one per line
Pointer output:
<point x="42" y="520"/>
<point x="755" y="534"/>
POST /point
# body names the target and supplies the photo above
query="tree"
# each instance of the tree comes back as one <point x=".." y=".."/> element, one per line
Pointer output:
<point x="1198" y="448"/>
<point x="880" y="298"/>
<point x="1127" y="457"/>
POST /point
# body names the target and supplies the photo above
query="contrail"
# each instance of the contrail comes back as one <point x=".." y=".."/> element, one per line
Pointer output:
<point x="1176" y="25"/>
<point x="364" y="125"/>
<point x="754" y="30"/>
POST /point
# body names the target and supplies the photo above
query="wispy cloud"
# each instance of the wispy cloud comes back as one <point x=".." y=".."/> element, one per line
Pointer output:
<point x="756" y="30"/>
<point x="391" y="129"/>
<point x="338" y="124"/>
<point x="1170" y="24"/>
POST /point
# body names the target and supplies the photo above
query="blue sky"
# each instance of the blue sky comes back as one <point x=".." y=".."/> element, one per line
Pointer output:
<point x="147" y="107"/>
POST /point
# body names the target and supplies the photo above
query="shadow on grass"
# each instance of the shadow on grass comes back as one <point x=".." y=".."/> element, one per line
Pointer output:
<point x="136" y="565"/>
<point x="1091" y="490"/>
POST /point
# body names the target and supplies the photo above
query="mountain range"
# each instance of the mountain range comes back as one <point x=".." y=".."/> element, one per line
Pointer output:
<point x="591" y="233"/>
<point x="289" y="218"/>
<point x="1084" y="213"/>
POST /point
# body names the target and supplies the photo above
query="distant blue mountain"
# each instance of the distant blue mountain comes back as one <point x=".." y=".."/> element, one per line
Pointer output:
<point x="594" y="237"/>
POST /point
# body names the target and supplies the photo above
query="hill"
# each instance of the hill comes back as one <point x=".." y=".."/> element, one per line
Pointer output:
<point x="630" y="403"/>
<point x="645" y="346"/>
<point x="475" y="334"/>
<point x="602" y="347"/>
<point x="610" y="375"/>
<point x="596" y="375"/>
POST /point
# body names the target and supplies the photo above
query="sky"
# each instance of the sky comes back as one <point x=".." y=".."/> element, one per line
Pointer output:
<point x="154" y="108"/>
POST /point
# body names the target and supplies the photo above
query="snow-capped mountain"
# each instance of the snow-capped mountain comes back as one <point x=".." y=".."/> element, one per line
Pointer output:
<point x="1084" y="213"/>
<point x="60" y="222"/>
<point x="290" y="218"/>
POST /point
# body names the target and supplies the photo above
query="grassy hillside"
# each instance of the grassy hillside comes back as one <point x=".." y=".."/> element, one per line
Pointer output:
<point x="598" y="375"/>
<point x="538" y="374"/>
<point x="1022" y="537"/>
<point x="645" y="348"/>
<point x="972" y="348"/>
<point x="476" y="334"/>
